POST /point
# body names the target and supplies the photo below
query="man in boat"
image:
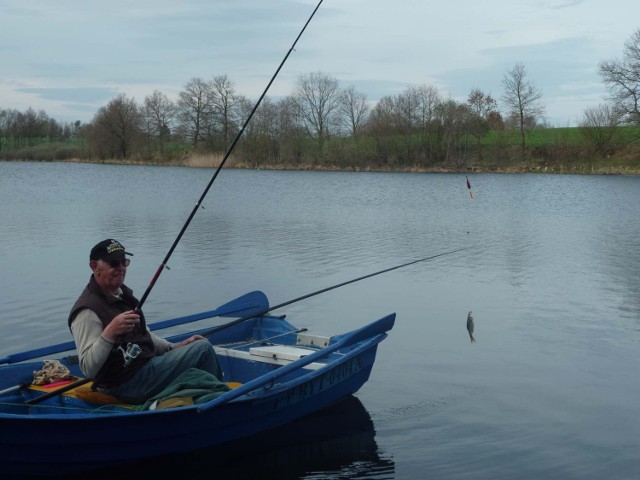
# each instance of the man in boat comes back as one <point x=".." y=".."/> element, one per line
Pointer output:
<point x="115" y="348"/>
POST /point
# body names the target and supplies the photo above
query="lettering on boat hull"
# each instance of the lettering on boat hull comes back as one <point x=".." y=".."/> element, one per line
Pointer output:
<point x="318" y="384"/>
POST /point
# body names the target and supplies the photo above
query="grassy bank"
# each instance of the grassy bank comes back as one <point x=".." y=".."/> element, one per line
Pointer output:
<point x="549" y="150"/>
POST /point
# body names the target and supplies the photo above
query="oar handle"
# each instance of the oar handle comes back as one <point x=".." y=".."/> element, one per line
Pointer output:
<point x="12" y="389"/>
<point x="58" y="391"/>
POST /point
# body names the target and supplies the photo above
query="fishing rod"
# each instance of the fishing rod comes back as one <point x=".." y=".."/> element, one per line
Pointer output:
<point x="326" y="289"/>
<point x="163" y="265"/>
<point x="71" y="386"/>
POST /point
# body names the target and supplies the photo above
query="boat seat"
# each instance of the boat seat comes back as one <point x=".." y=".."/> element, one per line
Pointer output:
<point x="272" y="354"/>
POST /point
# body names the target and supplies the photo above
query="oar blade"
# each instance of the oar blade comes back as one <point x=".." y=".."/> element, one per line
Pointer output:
<point x="248" y="304"/>
<point x="251" y="303"/>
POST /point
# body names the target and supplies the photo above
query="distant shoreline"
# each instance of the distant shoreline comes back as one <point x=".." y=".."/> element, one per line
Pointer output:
<point x="213" y="161"/>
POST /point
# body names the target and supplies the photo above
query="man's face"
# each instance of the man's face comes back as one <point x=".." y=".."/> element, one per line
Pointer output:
<point x="109" y="275"/>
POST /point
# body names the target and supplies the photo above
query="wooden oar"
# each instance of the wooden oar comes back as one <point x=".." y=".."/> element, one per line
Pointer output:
<point x="252" y="301"/>
<point x="57" y="392"/>
<point x="245" y="304"/>
<point x="12" y="389"/>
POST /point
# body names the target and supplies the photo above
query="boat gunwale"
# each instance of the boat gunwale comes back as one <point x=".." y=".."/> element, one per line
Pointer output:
<point x="250" y="396"/>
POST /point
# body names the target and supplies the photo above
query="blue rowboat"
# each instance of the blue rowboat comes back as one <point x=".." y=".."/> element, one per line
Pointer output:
<point x="280" y="373"/>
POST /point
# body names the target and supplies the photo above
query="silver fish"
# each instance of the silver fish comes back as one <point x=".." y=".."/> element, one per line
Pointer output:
<point x="470" y="327"/>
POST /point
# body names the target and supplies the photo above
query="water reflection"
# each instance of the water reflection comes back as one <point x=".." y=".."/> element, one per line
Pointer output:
<point x="337" y="442"/>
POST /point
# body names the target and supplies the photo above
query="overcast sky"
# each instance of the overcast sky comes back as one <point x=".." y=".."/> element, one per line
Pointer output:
<point x="70" y="57"/>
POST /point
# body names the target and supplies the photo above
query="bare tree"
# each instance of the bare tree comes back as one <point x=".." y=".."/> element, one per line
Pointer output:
<point x="4" y="129"/>
<point x="380" y="126"/>
<point x="381" y="120"/>
<point x="354" y="108"/>
<point x="523" y="100"/>
<point x="622" y="77"/>
<point x="260" y="142"/>
<point x="454" y="120"/>
<point x="600" y="126"/>
<point x="116" y="128"/>
<point x="195" y="108"/>
<point x="159" y="113"/>
<point x="317" y="98"/>
<point x="482" y="105"/>
<point x="291" y="130"/>
<point x="428" y="98"/>
<point x="227" y="108"/>
<point x="407" y="111"/>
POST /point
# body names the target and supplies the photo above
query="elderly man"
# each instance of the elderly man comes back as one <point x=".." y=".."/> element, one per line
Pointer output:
<point x="115" y="347"/>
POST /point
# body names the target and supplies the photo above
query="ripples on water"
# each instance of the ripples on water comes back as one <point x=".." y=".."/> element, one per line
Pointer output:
<point x="551" y="273"/>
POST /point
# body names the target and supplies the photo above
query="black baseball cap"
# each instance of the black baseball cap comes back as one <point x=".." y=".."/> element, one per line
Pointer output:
<point x="108" y="250"/>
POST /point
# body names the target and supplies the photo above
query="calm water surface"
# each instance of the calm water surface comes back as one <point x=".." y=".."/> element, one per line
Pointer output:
<point x="552" y="274"/>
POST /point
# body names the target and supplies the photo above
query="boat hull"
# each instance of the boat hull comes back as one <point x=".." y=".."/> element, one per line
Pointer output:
<point x="49" y="438"/>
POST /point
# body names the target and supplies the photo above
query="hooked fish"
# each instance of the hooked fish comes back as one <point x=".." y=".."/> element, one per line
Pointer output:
<point x="469" y="187"/>
<point x="470" y="327"/>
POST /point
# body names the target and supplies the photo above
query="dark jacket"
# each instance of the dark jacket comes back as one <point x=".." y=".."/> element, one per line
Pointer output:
<point x="107" y="307"/>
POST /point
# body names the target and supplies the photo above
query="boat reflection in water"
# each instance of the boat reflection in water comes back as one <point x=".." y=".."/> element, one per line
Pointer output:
<point x="337" y="442"/>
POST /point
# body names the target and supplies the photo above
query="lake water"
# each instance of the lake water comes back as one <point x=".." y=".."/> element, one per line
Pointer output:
<point x="551" y="272"/>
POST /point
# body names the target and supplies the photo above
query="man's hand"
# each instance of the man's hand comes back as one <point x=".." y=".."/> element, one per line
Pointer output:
<point x="122" y="325"/>
<point x="189" y="340"/>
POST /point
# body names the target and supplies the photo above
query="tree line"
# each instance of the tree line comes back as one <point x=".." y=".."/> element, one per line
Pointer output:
<point x="321" y="123"/>
<point x="30" y="128"/>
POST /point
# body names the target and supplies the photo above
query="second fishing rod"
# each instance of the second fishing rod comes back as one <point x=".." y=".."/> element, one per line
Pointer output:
<point x="163" y="265"/>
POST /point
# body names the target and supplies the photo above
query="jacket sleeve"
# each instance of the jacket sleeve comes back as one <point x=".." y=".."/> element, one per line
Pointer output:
<point x="160" y="344"/>
<point x="93" y="348"/>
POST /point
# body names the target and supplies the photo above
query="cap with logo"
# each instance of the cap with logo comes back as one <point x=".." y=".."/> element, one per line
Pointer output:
<point x="108" y="250"/>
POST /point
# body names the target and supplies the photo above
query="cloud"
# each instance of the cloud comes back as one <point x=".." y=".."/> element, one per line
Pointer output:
<point x="98" y="50"/>
<point x="87" y="95"/>
<point x="570" y="4"/>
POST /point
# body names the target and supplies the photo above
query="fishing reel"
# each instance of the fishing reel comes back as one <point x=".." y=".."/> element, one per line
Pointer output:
<point x="131" y="353"/>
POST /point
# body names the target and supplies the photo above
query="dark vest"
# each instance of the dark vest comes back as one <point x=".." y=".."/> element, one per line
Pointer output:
<point x="107" y="307"/>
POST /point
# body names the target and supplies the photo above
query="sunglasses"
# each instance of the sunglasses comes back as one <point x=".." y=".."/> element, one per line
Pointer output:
<point x="116" y="263"/>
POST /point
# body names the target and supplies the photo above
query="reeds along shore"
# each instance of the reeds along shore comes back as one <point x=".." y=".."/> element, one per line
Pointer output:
<point x="618" y="166"/>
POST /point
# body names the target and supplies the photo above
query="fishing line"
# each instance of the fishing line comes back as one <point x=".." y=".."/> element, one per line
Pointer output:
<point x="163" y="265"/>
<point x="210" y="331"/>
<point x="323" y="290"/>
